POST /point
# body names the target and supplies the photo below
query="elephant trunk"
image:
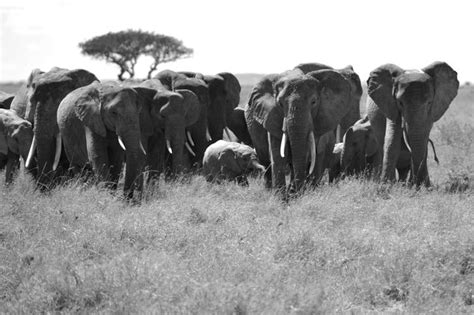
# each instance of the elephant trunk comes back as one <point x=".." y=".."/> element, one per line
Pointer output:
<point x="300" y="140"/>
<point x="419" y="145"/>
<point x="134" y="161"/>
<point x="176" y="138"/>
<point x="45" y="130"/>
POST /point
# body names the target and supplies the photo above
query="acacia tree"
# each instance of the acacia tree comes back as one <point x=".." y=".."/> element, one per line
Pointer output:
<point x="125" y="47"/>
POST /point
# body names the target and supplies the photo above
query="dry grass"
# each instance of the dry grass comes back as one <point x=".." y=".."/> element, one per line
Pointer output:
<point x="193" y="247"/>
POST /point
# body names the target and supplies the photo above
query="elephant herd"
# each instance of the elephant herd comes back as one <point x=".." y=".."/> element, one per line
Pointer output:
<point x="295" y="125"/>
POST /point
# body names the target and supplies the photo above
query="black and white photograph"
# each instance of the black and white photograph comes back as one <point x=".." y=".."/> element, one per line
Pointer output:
<point x="236" y="157"/>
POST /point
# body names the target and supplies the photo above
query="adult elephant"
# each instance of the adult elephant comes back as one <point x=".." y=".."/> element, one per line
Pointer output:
<point x="164" y="117"/>
<point x="407" y="103"/>
<point x="198" y="133"/>
<point x="97" y="123"/>
<point x="44" y="95"/>
<point x="16" y="135"/>
<point x="348" y="72"/>
<point x="5" y="100"/>
<point x="296" y="108"/>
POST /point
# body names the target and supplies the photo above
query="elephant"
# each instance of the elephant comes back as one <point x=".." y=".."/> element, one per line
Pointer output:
<point x="5" y="100"/>
<point x="224" y="92"/>
<point x="356" y="92"/>
<point x="164" y="117"/>
<point x="97" y="123"/>
<point x="238" y="125"/>
<point x="405" y="104"/>
<point x="16" y="135"/>
<point x="224" y="160"/>
<point x="44" y="95"/>
<point x="199" y="131"/>
<point x="297" y="108"/>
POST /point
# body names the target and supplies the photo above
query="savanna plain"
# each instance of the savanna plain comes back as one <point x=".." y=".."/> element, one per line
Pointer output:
<point x="194" y="247"/>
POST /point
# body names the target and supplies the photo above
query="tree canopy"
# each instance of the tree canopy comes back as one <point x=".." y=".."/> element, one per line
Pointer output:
<point x="125" y="47"/>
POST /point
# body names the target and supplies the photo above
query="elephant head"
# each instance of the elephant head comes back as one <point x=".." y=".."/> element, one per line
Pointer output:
<point x="358" y="147"/>
<point x="20" y="101"/>
<point x="168" y="113"/>
<point x="109" y="109"/>
<point x="295" y="108"/>
<point x="356" y="92"/>
<point x="44" y="96"/>
<point x="411" y="100"/>
<point x="16" y="135"/>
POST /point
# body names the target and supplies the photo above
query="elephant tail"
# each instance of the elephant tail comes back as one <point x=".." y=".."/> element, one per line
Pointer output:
<point x="434" y="151"/>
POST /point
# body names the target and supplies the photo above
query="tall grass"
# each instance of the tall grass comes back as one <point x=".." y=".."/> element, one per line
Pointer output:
<point x="197" y="247"/>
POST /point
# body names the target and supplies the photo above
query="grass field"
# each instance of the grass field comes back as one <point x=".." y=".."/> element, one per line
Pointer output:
<point x="192" y="247"/>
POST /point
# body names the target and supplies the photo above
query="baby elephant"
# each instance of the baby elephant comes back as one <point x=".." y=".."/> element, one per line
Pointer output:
<point x="225" y="160"/>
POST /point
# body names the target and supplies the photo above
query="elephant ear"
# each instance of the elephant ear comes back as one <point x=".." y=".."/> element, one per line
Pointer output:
<point x="144" y="99"/>
<point x="88" y="105"/>
<point x="192" y="107"/>
<point x="380" y="88"/>
<point x="446" y="86"/>
<point x="265" y="109"/>
<point x="334" y="100"/>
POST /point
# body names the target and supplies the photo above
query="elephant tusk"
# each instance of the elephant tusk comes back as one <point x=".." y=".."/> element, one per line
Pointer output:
<point x="142" y="148"/>
<point x="208" y="135"/>
<point x="31" y="152"/>
<point x="405" y="137"/>
<point x="226" y="129"/>
<point x="269" y="137"/>
<point x="190" y="139"/>
<point x="57" y="154"/>
<point x="283" y="145"/>
<point x="168" y="146"/>
<point x="434" y="151"/>
<point x="121" y="143"/>
<point x="189" y="149"/>
<point x="312" y="147"/>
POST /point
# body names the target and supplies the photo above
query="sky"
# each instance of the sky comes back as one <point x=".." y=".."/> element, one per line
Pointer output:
<point x="244" y="36"/>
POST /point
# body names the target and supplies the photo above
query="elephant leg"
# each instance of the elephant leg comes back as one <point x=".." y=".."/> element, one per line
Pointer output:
<point x="403" y="174"/>
<point x="155" y="158"/>
<point x="12" y="165"/>
<point x="3" y="161"/>
<point x="98" y="155"/>
<point x="259" y="138"/>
